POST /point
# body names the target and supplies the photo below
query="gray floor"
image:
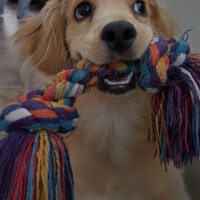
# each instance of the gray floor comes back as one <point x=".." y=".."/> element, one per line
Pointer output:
<point x="186" y="13"/>
<point x="10" y="82"/>
<point x="11" y="86"/>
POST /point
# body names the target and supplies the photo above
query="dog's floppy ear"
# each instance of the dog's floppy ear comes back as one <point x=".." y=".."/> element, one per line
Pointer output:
<point x="42" y="39"/>
<point x="161" y="20"/>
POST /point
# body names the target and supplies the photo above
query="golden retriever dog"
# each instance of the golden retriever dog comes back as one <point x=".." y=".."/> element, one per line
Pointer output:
<point x="110" y="156"/>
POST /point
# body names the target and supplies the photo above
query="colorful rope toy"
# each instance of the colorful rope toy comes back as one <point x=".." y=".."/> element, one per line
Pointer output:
<point x="34" y="163"/>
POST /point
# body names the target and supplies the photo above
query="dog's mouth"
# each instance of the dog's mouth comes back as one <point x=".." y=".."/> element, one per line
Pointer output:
<point x="121" y="84"/>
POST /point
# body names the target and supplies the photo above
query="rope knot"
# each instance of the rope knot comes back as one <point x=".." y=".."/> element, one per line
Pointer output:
<point x="34" y="112"/>
<point x="158" y="59"/>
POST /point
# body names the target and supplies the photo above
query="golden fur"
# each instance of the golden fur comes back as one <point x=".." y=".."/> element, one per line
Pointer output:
<point x="110" y="156"/>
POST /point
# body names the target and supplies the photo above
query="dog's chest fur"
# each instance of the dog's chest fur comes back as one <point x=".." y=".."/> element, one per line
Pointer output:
<point x="110" y="156"/>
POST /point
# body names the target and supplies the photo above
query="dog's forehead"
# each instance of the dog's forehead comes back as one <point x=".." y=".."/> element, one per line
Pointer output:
<point x="103" y="7"/>
<point x="114" y="2"/>
<point x="106" y="8"/>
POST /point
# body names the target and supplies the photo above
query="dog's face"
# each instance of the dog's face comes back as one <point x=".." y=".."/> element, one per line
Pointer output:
<point x="104" y="31"/>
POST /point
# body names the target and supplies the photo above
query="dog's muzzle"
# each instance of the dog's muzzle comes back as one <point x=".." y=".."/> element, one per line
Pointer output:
<point x="121" y="84"/>
<point x="119" y="36"/>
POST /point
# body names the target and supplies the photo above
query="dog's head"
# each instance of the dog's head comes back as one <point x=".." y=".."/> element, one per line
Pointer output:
<point x="108" y="30"/>
<point x="101" y="31"/>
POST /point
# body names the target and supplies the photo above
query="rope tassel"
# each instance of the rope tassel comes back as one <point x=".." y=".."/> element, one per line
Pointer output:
<point x="34" y="161"/>
<point x="36" y="167"/>
<point x="173" y="74"/>
<point x="180" y="103"/>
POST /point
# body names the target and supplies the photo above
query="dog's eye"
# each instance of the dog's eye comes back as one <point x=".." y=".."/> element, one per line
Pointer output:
<point x="139" y="8"/>
<point x="83" y="11"/>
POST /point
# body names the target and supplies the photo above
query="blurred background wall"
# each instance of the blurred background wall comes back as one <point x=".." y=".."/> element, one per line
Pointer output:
<point x="186" y="14"/>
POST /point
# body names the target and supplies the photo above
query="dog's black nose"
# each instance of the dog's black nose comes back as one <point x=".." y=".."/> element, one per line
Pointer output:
<point x="119" y="35"/>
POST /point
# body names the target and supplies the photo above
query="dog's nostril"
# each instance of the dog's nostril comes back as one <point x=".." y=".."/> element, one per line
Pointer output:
<point x="128" y="34"/>
<point x="109" y="36"/>
<point x="118" y="36"/>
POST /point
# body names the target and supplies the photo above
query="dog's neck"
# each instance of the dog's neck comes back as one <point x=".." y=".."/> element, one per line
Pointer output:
<point x="113" y="124"/>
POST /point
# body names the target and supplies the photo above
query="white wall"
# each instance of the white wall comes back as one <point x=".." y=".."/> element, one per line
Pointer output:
<point x="186" y="14"/>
